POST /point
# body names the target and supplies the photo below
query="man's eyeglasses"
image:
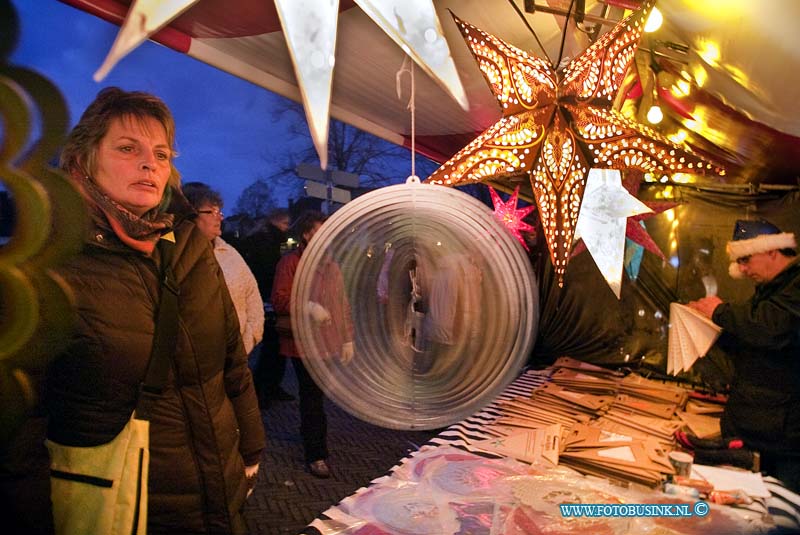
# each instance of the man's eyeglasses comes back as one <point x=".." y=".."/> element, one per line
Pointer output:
<point x="216" y="212"/>
<point x="743" y="260"/>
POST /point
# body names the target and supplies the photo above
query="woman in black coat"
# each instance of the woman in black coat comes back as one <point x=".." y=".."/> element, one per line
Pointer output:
<point x="206" y="434"/>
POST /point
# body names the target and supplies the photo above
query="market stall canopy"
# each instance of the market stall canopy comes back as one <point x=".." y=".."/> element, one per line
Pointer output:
<point x="717" y="68"/>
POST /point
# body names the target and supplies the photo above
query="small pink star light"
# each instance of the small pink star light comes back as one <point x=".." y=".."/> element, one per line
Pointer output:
<point x="508" y="214"/>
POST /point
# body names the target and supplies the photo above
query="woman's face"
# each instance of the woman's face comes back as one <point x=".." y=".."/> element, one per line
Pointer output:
<point x="209" y="220"/>
<point x="133" y="163"/>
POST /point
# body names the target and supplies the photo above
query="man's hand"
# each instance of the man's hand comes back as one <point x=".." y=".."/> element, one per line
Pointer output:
<point x="706" y="305"/>
<point x="347" y="352"/>
<point x="318" y="312"/>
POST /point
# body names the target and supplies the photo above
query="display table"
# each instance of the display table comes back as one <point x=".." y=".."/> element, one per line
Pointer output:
<point x="452" y="486"/>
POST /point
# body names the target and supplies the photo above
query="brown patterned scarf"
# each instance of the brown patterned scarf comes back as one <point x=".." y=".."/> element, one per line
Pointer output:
<point x="139" y="233"/>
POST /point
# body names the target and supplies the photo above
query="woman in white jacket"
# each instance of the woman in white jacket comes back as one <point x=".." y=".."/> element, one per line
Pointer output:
<point x="241" y="283"/>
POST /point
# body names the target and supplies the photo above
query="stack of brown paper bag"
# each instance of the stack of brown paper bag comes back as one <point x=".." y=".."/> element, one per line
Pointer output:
<point x="639" y="426"/>
<point x="595" y="451"/>
<point x="534" y="446"/>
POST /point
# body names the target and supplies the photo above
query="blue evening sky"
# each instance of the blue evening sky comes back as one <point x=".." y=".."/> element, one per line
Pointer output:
<point x="226" y="135"/>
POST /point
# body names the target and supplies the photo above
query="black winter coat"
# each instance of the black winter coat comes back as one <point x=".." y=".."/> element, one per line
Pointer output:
<point x="207" y="426"/>
<point x="262" y="252"/>
<point x="762" y="336"/>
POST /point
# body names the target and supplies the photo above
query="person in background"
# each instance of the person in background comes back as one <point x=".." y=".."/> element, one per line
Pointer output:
<point x="330" y="311"/>
<point x="240" y="280"/>
<point x="762" y="337"/>
<point x="206" y="433"/>
<point x="451" y="325"/>
<point x="262" y="251"/>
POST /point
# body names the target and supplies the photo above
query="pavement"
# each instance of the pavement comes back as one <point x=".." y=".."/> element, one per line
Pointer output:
<point x="287" y="498"/>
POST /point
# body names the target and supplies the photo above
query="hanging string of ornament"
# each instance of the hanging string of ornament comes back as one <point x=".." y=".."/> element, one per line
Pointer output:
<point x="408" y="68"/>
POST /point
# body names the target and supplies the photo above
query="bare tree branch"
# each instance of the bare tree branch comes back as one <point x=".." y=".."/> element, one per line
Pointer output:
<point x="376" y="161"/>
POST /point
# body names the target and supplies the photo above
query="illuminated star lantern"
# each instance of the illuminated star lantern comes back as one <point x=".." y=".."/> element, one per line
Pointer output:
<point x="556" y="125"/>
<point x="511" y="217"/>
<point x="310" y="30"/>
<point x="603" y="217"/>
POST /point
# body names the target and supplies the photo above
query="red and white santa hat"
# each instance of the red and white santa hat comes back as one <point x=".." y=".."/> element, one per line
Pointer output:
<point x="753" y="237"/>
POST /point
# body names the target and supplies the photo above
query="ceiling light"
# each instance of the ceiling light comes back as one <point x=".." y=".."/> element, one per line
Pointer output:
<point x="655" y="115"/>
<point x="654" y="21"/>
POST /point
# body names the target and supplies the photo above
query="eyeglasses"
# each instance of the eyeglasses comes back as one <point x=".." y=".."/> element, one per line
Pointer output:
<point x="743" y="260"/>
<point x="216" y="212"/>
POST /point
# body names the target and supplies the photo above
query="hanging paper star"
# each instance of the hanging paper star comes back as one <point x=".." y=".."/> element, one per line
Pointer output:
<point x="635" y="231"/>
<point x="144" y="18"/>
<point x="634" y="254"/>
<point x="556" y="125"/>
<point x="511" y="217"/>
<point x="310" y="30"/>
<point x="602" y="221"/>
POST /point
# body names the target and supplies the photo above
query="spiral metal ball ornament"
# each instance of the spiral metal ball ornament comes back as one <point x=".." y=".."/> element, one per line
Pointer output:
<point x="442" y="300"/>
<point x="37" y="309"/>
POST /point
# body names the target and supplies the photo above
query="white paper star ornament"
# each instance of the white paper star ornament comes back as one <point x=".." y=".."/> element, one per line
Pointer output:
<point x="415" y="27"/>
<point x="602" y="221"/>
<point x="144" y="19"/>
<point x="310" y="30"/>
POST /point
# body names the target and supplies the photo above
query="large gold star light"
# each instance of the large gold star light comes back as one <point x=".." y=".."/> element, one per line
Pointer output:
<point x="556" y="125"/>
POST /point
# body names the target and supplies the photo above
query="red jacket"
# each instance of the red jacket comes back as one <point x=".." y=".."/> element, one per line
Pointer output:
<point x="329" y="291"/>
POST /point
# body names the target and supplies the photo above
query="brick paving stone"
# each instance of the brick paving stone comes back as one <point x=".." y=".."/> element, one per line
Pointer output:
<point x="287" y="498"/>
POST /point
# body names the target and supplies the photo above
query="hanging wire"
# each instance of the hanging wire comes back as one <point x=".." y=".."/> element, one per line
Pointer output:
<point x="413" y="107"/>
<point x="564" y="34"/>
<point x="594" y="31"/>
<point x="530" y="29"/>
<point x="408" y="67"/>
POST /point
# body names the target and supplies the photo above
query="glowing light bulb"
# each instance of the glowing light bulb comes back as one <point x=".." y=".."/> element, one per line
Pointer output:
<point x="654" y="21"/>
<point x="655" y="115"/>
<point x="710" y="52"/>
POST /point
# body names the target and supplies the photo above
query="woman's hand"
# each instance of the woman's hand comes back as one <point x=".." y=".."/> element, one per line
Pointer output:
<point x="318" y="312"/>
<point x="348" y="350"/>
<point x="251" y="474"/>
